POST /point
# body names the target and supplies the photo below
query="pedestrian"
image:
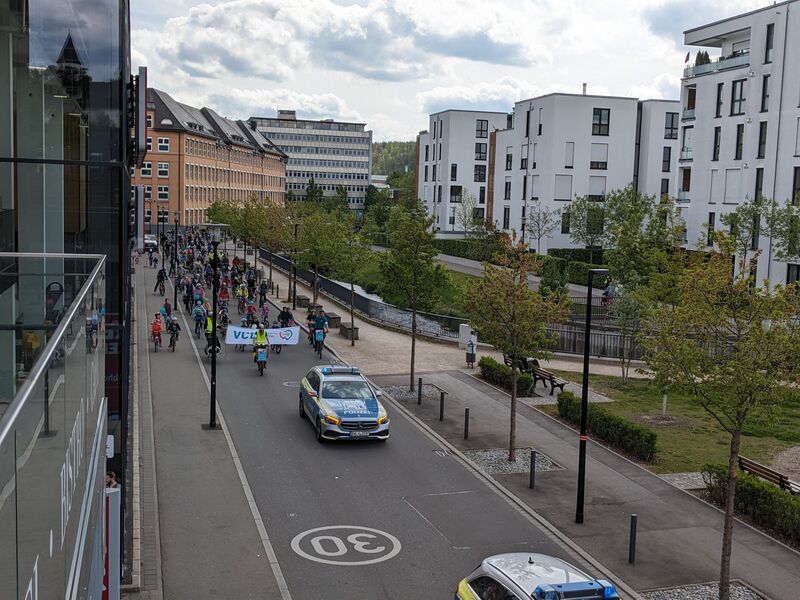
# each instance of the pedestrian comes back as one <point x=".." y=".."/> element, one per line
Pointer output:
<point x="111" y="480"/>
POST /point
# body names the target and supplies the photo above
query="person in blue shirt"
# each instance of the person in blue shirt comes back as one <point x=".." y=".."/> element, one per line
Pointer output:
<point x="321" y="321"/>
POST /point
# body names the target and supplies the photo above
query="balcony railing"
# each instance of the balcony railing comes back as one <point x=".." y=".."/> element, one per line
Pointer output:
<point x="740" y="59"/>
<point x="688" y="113"/>
<point x="683" y="195"/>
<point x="686" y="154"/>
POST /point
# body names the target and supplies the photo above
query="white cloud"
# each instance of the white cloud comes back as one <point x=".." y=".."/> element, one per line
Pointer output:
<point x="666" y="86"/>
<point x="499" y="95"/>
<point x="264" y="102"/>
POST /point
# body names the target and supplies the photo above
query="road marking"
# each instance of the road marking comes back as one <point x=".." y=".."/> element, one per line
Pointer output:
<point x="291" y="384"/>
<point x="248" y="492"/>
<point x="336" y="542"/>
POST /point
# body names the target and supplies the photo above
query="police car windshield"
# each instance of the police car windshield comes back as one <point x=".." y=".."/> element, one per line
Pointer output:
<point x="346" y="390"/>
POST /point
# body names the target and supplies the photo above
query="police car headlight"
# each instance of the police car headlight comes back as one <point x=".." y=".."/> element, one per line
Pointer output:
<point x="333" y="420"/>
<point x="382" y="416"/>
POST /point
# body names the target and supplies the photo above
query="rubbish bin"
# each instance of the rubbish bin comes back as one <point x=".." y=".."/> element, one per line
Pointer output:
<point x="472" y="345"/>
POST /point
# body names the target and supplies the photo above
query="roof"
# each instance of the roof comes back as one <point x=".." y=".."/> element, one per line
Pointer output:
<point x="739" y="16"/>
<point x="571" y="95"/>
<point x="305" y="120"/>
<point x="529" y="570"/>
<point x="467" y="110"/>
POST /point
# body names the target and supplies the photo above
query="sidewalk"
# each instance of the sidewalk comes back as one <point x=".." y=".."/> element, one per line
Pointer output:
<point x="199" y="538"/>
<point x="679" y="535"/>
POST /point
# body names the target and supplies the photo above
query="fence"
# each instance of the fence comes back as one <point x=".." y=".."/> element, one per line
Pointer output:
<point x="609" y="344"/>
<point x="427" y="323"/>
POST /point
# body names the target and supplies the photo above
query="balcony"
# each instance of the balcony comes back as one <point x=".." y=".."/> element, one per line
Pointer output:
<point x="683" y="196"/>
<point x="688" y="113"/>
<point x="686" y="154"/>
<point x="740" y="59"/>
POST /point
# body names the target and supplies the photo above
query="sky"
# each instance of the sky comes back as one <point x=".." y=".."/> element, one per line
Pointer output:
<point x="390" y="63"/>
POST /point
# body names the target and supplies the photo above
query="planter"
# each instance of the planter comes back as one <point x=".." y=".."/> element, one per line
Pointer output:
<point x="347" y="332"/>
<point x="303" y="301"/>
<point x="334" y="320"/>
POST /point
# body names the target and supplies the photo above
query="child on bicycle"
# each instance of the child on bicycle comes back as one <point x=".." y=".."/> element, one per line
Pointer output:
<point x="156" y="328"/>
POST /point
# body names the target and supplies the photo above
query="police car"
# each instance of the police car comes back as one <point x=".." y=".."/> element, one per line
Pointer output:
<point x="342" y="405"/>
<point x="524" y="576"/>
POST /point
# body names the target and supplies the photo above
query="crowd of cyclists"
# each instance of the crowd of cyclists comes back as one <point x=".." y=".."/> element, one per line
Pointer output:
<point x="192" y="273"/>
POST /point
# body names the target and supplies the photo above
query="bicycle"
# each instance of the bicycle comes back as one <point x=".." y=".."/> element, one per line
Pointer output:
<point x="319" y="341"/>
<point x="161" y="288"/>
<point x="156" y="341"/>
<point x="173" y="340"/>
<point x="241" y="305"/>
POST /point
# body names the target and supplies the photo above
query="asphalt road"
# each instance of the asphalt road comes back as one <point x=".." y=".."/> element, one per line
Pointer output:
<point x="445" y="519"/>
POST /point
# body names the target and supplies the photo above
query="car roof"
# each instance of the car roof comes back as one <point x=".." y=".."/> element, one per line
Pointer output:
<point x="529" y="570"/>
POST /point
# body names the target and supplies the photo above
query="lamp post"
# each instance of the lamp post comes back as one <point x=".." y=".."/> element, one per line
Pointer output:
<point x="294" y="270"/>
<point x="175" y="262"/>
<point x="585" y="397"/>
<point x="215" y="234"/>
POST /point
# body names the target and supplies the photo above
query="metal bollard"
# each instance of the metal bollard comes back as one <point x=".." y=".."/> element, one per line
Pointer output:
<point x="419" y="391"/>
<point x="277" y="291"/>
<point x="632" y="540"/>
<point x="466" y="423"/>
<point x="532" y="480"/>
<point x="441" y="406"/>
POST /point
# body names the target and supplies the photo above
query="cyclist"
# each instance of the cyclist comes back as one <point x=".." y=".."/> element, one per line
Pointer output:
<point x="241" y="295"/>
<point x="259" y="340"/>
<point x="310" y="322"/>
<point x="321" y="322"/>
<point x="262" y="293"/>
<point x="251" y="312"/>
<point x="161" y="277"/>
<point x="285" y="317"/>
<point x="211" y="341"/>
<point x="198" y="316"/>
<point x="166" y="309"/>
<point x="265" y="313"/>
<point x="173" y="328"/>
<point x="224" y="297"/>
<point x="156" y="328"/>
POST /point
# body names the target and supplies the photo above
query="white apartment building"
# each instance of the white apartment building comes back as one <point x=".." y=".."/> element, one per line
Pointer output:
<point x="332" y="153"/>
<point x="454" y="157"/>
<point x="740" y="125"/>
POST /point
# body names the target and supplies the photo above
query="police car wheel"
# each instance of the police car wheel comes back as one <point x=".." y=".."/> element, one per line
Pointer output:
<point x="302" y="411"/>
<point x="318" y="430"/>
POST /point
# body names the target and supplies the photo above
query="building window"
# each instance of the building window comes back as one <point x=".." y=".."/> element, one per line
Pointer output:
<point x="509" y="159"/>
<point x="796" y="187"/>
<point x="163" y="144"/>
<point x="439" y="193"/>
<point x="569" y="155"/>
<point x="455" y="193"/>
<point x="149" y="144"/>
<point x="506" y="216"/>
<point x="737" y="97"/>
<point x="163" y="169"/>
<point x="759" y="183"/>
<point x="539" y="127"/>
<point x="426" y="173"/>
<point x="664" y="187"/>
<point x="147" y="169"/>
<point x="507" y="190"/>
<point x="453" y="172"/>
<point x="148" y="192"/>
<point x="565" y="221"/>
<point x="163" y="192"/>
<point x="527" y="123"/>
<point x="481" y="128"/>
<point x="480" y="151"/>
<point x="671" y="126"/>
<point x="599" y="157"/>
<point x="434" y="173"/>
<point x="600" y="121"/>
<point x="717" y="139"/>
<point x="149" y="121"/>
<point x="562" y="189"/>
<point x="710" y="229"/>
<point x="765" y="93"/>
<point x="427" y="152"/>
<point x="523" y="162"/>
<point x="482" y="195"/>
<point x="762" y="139"/>
<point x="770" y="42"/>
<point x="666" y="159"/>
<point x="739" y="142"/>
<point x="720" y="90"/>
<point x="440" y="150"/>
<point x="792" y="274"/>
<point x="480" y="173"/>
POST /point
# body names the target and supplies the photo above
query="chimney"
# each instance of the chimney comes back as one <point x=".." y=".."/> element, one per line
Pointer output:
<point x="584" y="89"/>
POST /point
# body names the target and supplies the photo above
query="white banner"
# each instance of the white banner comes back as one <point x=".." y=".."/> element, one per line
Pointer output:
<point x="280" y="336"/>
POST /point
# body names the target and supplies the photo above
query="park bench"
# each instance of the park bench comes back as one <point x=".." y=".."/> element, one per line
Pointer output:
<point x="522" y="365"/>
<point x="544" y="376"/>
<point x="767" y="474"/>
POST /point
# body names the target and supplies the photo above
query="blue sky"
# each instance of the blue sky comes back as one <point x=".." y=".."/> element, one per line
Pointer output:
<point x="390" y="63"/>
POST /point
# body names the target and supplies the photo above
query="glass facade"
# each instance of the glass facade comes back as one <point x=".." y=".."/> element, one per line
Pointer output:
<point x="64" y="179"/>
<point x="53" y="431"/>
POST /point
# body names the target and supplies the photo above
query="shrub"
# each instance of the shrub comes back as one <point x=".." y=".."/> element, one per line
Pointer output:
<point x="619" y="432"/>
<point x="500" y="374"/>
<point x="577" y="254"/>
<point x="770" y="507"/>
<point x="480" y="249"/>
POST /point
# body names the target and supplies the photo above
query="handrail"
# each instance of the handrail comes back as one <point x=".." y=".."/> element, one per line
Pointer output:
<point x="43" y="362"/>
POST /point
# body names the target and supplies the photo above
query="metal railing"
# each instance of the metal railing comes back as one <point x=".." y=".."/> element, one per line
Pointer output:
<point x="740" y="59"/>
<point x="686" y="154"/>
<point x="609" y="344"/>
<point x="688" y="113"/>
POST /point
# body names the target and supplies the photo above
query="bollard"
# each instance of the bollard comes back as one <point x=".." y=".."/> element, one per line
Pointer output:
<point x="632" y="540"/>
<point x="419" y="391"/>
<point x="277" y="291"/>
<point x="466" y="423"/>
<point x="532" y="480"/>
<point x="441" y="406"/>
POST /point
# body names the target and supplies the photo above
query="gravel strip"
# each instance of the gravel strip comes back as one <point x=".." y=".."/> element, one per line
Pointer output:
<point x="494" y="461"/>
<point x="702" y="591"/>
<point x="401" y="392"/>
<point x="685" y="481"/>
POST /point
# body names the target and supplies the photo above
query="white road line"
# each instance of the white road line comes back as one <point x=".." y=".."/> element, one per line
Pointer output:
<point x="248" y="492"/>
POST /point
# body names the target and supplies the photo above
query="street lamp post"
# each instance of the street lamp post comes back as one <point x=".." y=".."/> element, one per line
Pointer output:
<point x="585" y="397"/>
<point x="214" y="231"/>
<point x="294" y="271"/>
<point x="175" y="262"/>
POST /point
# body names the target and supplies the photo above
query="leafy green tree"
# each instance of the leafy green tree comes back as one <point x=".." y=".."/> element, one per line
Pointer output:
<point x="405" y="183"/>
<point x="351" y="251"/>
<point x="507" y="314"/>
<point x="409" y="268"/>
<point x="314" y="193"/>
<point x="628" y="314"/>
<point x="375" y="197"/>
<point x="317" y="243"/>
<point x="745" y="224"/>
<point x="393" y="156"/>
<point x="338" y="201"/>
<point x="586" y="223"/>
<point x="290" y="196"/>
<point x="540" y="222"/>
<point x="734" y="347"/>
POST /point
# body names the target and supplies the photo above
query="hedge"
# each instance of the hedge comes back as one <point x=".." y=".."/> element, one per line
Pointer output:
<point x="577" y="254"/>
<point x="770" y="507"/>
<point x="573" y="271"/>
<point x="481" y="250"/>
<point x="619" y="432"/>
<point x="500" y="374"/>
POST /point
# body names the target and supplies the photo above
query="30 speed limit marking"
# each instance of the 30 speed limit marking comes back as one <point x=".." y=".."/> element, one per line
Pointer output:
<point x="346" y="545"/>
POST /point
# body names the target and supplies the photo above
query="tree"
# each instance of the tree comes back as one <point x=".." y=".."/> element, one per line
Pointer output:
<point x="586" y="223"/>
<point x="338" y="201"/>
<point x="405" y="183"/>
<point x="540" y="223"/>
<point x="507" y="314"/>
<point x="317" y="244"/>
<point x="374" y="197"/>
<point x="745" y="225"/>
<point x="393" y="156"/>
<point x="628" y="311"/>
<point x="351" y="251"/>
<point x="409" y="268"/>
<point x="272" y="231"/>
<point x="465" y="212"/>
<point x="314" y="193"/>
<point x="734" y="348"/>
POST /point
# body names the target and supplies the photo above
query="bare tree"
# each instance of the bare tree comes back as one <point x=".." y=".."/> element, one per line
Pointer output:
<point x="540" y="223"/>
<point x="465" y="213"/>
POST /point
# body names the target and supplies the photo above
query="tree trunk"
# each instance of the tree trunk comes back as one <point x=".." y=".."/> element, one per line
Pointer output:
<point x="538" y="245"/>
<point x="270" y="267"/>
<point x="591" y="255"/>
<point x="413" y="344"/>
<point x="727" y="532"/>
<point x="314" y="286"/>
<point x="512" y="429"/>
<point x="352" y="311"/>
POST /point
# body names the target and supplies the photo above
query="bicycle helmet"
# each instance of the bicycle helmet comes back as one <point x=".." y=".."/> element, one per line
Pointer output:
<point x="261" y="327"/>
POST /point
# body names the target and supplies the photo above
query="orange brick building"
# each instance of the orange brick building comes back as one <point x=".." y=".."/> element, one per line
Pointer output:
<point x="196" y="156"/>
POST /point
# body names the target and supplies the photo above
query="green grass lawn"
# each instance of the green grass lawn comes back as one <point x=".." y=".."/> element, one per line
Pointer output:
<point x="694" y="438"/>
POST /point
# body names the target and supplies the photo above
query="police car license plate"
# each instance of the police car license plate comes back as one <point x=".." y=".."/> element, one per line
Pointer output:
<point x="359" y="433"/>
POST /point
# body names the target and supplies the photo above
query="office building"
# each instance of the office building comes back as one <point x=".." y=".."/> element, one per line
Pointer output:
<point x="196" y="156"/>
<point x="332" y="153"/>
<point x="740" y="124"/>
<point x="64" y="181"/>
<point x="453" y="159"/>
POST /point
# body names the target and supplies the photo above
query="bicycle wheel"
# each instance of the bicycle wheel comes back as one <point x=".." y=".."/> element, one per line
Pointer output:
<point x="319" y="349"/>
<point x="155" y="344"/>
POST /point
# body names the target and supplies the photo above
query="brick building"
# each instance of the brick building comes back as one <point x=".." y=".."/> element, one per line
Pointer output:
<point x="196" y="156"/>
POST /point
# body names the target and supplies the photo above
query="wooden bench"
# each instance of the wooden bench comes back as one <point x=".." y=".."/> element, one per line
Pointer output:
<point x="767" y="474"/>
<point x="544" y="376"/>
<point x="522" y="365"/>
